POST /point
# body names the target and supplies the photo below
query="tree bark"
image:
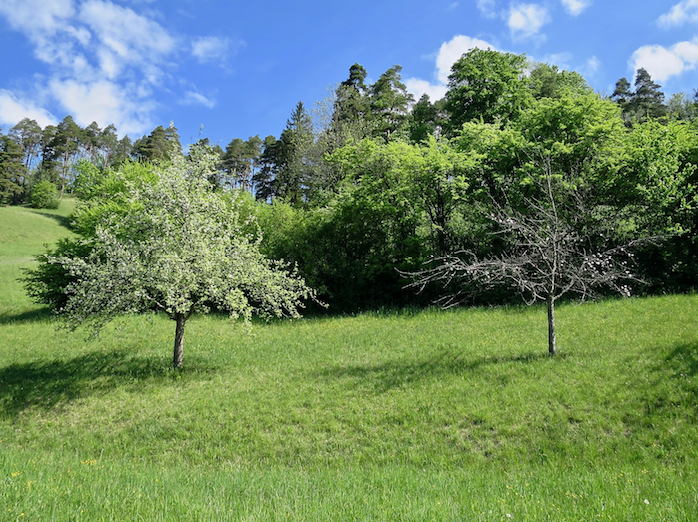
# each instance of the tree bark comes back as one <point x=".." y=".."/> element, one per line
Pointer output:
<point x="179" y="341"/>
<point x="551" y="325"/>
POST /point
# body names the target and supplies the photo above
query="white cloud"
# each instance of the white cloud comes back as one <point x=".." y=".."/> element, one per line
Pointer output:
<point x="487" y="8"/>
<point x="448" y="54"/>
<point x="526" y="20"/>
<point x="37" y="17"/>
<point x="686" y="11"/>
<point x="104" y="102"/>
<point x="126" y="38"/>
<point x="452" y="50"/>
<point x="419" y="87"/>
<point x="104" y="60"/>
<point x="662" y="63"/>
<point x="687" y="51"/>
<point x="194" y="98"/>
<point x="592" y="65"/>
<point x="562" y="60"/>
<point x="210" y="48"/>
<point x="13" y="109"/>
<point x="575" y="7"/>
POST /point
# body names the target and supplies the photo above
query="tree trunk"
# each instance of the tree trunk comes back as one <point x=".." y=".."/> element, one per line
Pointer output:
<point x="551" y="325"/>
<point x="179" y="341"/>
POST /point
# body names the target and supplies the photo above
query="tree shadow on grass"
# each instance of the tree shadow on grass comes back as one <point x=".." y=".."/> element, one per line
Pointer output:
<point x="49" y="384"/>
<point x="684" y="358"/>
<point x="27" y="317"/>
<point x="63" y="221"/>
<point x="394" y="374"/>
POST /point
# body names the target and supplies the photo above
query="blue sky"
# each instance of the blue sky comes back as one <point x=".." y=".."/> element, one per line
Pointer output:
<point x="239" y="68"/>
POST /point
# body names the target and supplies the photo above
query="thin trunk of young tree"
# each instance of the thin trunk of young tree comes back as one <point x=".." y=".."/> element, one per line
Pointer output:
<point x="551" y="325"/>
<point x="181" y="319"/>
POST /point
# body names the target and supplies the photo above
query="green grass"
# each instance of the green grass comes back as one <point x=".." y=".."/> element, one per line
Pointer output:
<point x="429" y="415"/>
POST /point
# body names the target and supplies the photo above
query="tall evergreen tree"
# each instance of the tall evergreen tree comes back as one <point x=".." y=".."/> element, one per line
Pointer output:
<point x="286" y="164"/>
<point x="427" y="119"/>
<point x="294" y="173"/>
<point x="389" y="104"/>
<point x="645" y="102"/>
<point x="352" y="96"/>
<point x="12" y="170"/>
<point x="28" y="135"/>
<point x="61" y="145"/>
<point x="648" y="99"/>
<point x="239" y="162"/>
<point x="264" y="179"/>
<point x="159" y="146"/>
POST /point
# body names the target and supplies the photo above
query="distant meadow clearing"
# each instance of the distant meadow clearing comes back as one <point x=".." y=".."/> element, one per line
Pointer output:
<point x="412" y="415"/>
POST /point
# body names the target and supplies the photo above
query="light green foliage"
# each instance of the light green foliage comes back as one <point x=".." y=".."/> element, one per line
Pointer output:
<point x="181" y="249"/>
<point x="44" y="195"/>
<point x="494" y="153"/>
<point x="660" y="175"/>
<point x="486" y="85"/>
<point x="103" y="198"/>
<point x="548" y="81"/>
<point x="407" y="185"/>
<point x="104" y="193"/>
<point x="580" y="134"/>
<point x="681" y="107"/>
<point x="573" y="125"/>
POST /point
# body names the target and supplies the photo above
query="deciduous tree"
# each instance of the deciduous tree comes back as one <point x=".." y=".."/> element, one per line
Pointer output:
<point x="486" y="85"/>
<point x="182" y="249"/>
<point x="558" y="244"/>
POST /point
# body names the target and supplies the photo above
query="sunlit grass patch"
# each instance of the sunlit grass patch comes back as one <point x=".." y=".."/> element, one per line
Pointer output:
<point x="413" y="415"/>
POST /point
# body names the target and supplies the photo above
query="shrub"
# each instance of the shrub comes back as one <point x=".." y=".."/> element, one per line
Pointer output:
<point x="44" y="195"/>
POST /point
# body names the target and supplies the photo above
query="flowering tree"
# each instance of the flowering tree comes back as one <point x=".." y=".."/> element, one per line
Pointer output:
<point x="183" y="248"/>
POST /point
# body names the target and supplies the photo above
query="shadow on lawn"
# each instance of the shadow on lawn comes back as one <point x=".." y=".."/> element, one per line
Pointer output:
<point x="31" y="316"/>
<point x="385" y="377"/>
<point x="684" y="358"/>
<point x="48" y="384"/>
<point x="63" y="221"/>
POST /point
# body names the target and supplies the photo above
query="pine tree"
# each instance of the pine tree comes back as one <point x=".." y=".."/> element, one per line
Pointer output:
<point x="239" y="161"/>
<point x="12" y="170"/>
<point x="426" y="120"/>
<point x="645" y="102"/>
<point x="648" y="99"/>
<point x="389" y="104"/>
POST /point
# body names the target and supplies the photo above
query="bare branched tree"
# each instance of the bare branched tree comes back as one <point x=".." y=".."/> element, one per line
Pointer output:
<point x="558" y="244"/>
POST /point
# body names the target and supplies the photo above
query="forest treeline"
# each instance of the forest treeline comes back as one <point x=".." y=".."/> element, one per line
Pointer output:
<point x="375" y="184"/>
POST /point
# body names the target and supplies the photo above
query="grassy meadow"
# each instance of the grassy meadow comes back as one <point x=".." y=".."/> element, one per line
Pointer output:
<point x="411" y="416"/>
